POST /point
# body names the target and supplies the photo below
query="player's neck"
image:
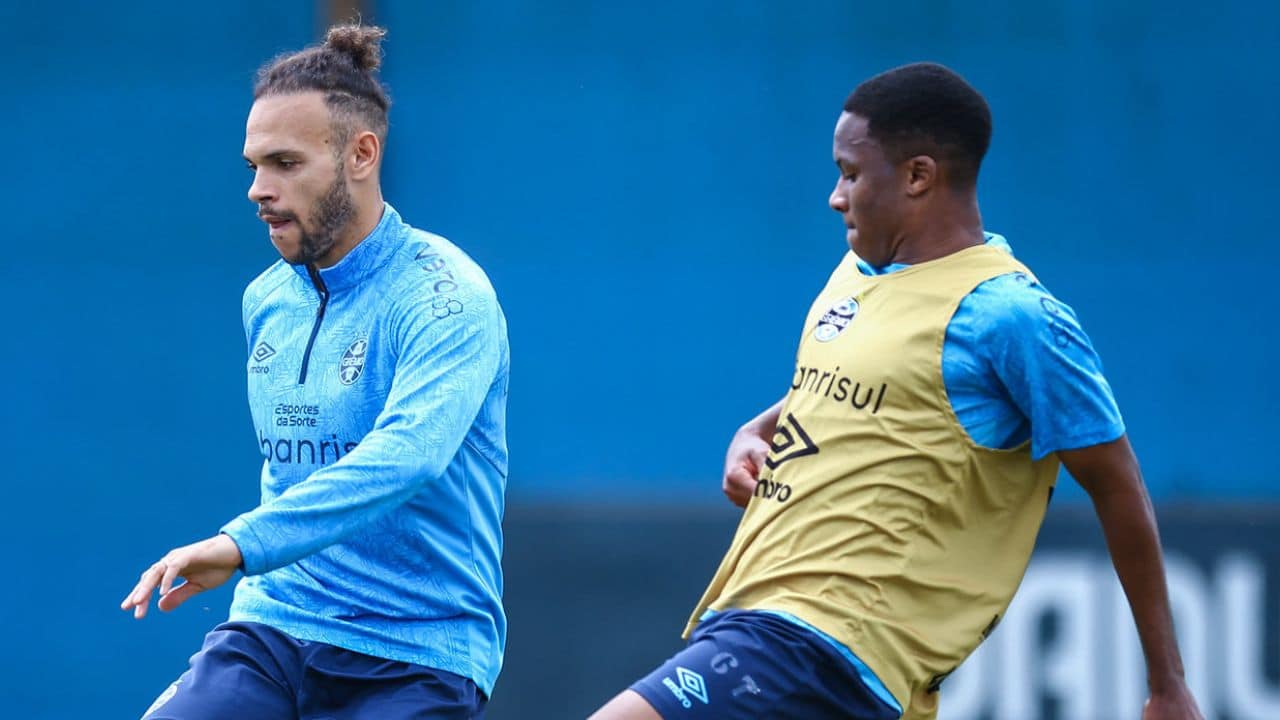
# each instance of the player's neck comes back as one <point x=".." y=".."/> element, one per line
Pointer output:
<point x="946" y="229"/>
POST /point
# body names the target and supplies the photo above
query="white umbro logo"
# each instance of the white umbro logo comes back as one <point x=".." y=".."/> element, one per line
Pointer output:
<point x="691" y="684"/>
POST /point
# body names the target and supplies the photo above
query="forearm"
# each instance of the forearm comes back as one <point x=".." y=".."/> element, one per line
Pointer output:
<point x="446" y="368"/>
<point x="765" y="424"/>
<point x="377" y="476"/>
<point x="1129" y="525"/>
<point x="1110" y="474"/>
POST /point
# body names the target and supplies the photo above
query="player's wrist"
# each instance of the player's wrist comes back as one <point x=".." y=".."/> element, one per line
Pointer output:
<point x="228" y="551"/>
<point x="754" y="430"/>
<point x="1167" y="682"/>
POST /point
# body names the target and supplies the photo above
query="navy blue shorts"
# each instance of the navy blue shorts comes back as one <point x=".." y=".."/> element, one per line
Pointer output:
<point x="742" y="664"/>
<point x="249" y="671"/>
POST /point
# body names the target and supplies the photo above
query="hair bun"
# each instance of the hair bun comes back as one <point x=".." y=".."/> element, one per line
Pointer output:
<point x="361" y="42"/>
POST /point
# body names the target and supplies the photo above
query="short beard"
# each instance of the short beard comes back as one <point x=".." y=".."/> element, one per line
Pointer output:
<point x="331" y="215"/>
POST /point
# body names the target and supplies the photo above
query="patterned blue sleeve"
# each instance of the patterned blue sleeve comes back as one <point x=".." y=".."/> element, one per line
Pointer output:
<point x="1017" y="365"/>
<point x="444" y="371"/>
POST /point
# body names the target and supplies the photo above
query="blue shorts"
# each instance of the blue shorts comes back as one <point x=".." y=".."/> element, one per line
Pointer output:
<point x="249" y="671"/>
<point x="744" y="664"/>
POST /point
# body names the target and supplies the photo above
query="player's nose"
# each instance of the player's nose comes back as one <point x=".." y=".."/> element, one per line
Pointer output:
<point x="259" y="191"/>
<point x="837" y="200"/>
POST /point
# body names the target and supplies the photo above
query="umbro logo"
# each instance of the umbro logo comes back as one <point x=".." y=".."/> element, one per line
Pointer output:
<point x="790" y="441"/>
<point x="262" y="352"/>
<point x="690" y="684"/>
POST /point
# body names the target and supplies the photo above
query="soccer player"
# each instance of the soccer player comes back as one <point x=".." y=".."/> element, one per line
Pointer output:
<point x="377" y="371"/>
<point x="894" y="495"/>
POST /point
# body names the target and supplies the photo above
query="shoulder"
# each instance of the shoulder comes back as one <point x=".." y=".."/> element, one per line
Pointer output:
<point x="268" y="282"/>
<point x="1022" y="329"/>
<point x="1012" y="305"/>
<point x="433" y="277"/>
<point x="847" y="266"/>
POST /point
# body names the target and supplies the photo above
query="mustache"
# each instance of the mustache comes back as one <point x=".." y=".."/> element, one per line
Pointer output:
<point x="267" y="210"/>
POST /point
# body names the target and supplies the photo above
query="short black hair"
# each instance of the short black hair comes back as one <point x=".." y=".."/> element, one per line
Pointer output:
<point x="926" y="109"/>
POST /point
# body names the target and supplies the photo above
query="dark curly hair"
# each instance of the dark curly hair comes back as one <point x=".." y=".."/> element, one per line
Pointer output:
<point x="343" y="69"/>
<point x="926" y="109"/>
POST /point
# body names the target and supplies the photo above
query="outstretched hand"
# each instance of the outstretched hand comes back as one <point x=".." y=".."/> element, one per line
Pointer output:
<point x="203" y="566"/>
<point x="742" y="463"/>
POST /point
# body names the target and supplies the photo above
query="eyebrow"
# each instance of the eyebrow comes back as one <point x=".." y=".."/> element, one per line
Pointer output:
<point x="273" y="155"/>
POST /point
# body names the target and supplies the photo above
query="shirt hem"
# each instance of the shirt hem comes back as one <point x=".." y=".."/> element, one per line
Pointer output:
<point x="356" y="643"/>
<point x="1099" y="437"/>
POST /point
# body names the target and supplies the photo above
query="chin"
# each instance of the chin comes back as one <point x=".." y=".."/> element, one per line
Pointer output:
<point x="291" y="255"/>
<point x="866" y="254"/>
<point x="855" y="244"/>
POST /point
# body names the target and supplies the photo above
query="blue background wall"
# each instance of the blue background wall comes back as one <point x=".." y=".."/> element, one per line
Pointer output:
<point x="646" y="184"/>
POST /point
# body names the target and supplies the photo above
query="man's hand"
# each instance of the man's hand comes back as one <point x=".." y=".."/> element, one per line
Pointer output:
<point x="204" y="565"/>
<point x="742" y="464"/>
<point x="747" y="451"/>
<point x="1175" y="704"/>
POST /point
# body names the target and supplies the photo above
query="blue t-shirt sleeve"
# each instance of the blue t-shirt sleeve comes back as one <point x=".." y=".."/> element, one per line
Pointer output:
<point x="1023" y="356"/>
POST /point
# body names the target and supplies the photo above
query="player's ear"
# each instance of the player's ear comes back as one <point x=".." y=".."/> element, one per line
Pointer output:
<point x="366" y="151"/>
<point x="922" y="174"/>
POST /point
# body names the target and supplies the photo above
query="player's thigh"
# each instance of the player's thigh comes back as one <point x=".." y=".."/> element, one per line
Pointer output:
<point x="713" y="678"/>
<point x="233" y="676"/>
<point x="342" y="685"/>
<point x="744" y="665"/>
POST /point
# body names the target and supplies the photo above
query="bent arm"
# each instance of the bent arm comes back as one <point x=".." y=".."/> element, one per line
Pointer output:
<point x="1109" y="472"/>
<point x="765" y="424"/>
<point x="746" y="455"/>
<point x="445" y="368"/>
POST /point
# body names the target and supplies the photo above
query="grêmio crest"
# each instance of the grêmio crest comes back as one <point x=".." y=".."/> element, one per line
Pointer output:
<point x="352" y="365"/>
<point x="835" y="320"/>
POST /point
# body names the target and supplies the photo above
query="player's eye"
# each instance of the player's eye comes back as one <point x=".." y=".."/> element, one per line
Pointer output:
<point x="250" y="165"/>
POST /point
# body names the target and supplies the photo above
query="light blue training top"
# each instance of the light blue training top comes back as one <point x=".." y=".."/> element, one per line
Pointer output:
<point x="378" y="389"/>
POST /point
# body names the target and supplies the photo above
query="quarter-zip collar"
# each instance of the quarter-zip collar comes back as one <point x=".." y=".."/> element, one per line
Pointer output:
<point x="366" y="257"/>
